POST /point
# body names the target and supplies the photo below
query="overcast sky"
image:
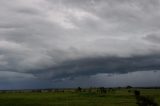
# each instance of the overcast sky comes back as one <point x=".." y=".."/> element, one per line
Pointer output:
<point x="69" y="43"/>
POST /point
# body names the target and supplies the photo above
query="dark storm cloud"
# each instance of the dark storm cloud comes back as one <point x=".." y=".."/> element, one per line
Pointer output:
<point x="50" y="39"/>
<point x="93" y="66"/>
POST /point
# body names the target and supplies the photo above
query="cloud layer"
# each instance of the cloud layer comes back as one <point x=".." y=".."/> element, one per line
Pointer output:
<point x="50" y="39"/>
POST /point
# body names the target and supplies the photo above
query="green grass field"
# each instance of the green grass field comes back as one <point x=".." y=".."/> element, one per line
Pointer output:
<point x="119" y="98"/>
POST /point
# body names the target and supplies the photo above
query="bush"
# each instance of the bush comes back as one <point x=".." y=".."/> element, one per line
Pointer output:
<point x="137" y="93"/>
<point x="146" y="101"/>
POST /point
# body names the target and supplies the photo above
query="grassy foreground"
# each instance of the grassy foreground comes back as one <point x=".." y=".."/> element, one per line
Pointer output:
<point x="118" y="98"/>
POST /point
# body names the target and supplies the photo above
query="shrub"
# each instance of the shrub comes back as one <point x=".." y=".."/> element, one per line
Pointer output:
<point x="146" y="101"/>
<point x="137" y="93"/>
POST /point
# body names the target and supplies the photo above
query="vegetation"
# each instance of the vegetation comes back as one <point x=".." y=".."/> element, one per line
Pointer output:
<point x="145" y="100"/>
<point x="84" y="97"/>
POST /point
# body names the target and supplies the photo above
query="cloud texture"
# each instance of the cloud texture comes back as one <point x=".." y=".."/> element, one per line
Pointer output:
<point x="57" y="39"/>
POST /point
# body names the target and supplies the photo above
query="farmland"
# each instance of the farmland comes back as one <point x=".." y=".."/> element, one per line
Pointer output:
<point x="116" y="97"/>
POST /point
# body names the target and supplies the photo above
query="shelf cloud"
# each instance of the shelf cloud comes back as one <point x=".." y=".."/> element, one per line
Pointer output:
<point x="57" y="39"/>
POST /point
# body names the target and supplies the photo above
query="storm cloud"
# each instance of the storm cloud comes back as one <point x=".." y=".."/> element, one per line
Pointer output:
<point x="57" y="39"/>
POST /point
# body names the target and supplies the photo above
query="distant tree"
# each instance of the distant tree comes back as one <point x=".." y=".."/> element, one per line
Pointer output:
<point x="37" y="90"/>
<point x="129" y="87"/>
<point x="102" y="90"/>
<point x="79" y="89"/>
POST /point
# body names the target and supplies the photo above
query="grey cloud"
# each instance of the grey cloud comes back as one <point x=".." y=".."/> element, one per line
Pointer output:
<point x="10" y="76"/>
<point x="93" y="66"/>
<point x="139" y="78"/>
<point x="67" y="38"/>
<point x="29" y="11"/>
<point x="154" y="38"/>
